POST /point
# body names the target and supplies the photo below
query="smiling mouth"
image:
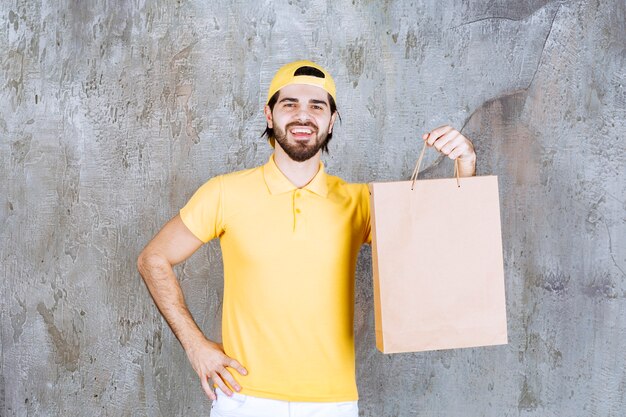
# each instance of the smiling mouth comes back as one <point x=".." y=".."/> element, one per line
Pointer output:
<point x="301" y="132"/>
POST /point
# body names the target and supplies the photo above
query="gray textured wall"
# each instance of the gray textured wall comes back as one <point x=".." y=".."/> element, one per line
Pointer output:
<point x="112" y="113"/>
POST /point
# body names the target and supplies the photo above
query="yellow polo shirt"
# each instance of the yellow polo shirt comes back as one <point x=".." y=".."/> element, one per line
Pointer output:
<point x="289" y="261"/>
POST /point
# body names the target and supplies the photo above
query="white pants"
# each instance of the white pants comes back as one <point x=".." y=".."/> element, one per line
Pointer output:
<point x="240" y="405"/>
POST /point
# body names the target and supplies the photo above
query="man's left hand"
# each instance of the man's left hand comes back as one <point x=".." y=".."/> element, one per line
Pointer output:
<point x="453" y="144"/>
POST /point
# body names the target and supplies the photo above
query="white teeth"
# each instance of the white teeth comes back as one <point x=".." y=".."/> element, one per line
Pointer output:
<point x="306" y="131"/>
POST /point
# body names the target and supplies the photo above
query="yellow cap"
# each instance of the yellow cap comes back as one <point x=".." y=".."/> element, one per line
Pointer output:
<point x="286" y="76"/>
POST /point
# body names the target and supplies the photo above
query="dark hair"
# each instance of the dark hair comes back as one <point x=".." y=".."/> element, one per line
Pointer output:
<point x="306" y="70"/>
<point x="269" y="132"/>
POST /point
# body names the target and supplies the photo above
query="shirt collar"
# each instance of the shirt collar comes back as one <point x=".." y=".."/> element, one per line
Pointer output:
<point x="277" y="183"/>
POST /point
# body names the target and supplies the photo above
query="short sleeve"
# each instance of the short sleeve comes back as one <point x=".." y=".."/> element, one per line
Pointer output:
<point x="203" y="214"/>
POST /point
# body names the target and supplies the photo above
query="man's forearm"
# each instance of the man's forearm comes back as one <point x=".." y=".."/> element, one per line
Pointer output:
<point x="165" y="290"/>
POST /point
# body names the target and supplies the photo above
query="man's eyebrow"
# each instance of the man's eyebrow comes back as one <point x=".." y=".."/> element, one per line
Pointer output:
<point x="313" y="101"/>
<point x="291" y="99"/>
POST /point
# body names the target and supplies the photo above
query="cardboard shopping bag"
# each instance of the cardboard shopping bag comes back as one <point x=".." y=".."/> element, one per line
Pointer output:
<point x="437" y="264"/>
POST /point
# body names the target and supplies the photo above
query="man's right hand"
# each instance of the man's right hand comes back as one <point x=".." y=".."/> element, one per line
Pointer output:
<point x="209" y="361"/>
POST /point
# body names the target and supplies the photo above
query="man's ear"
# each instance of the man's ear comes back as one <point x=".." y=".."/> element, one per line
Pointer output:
<point x="268" y="116"/>
<point x="332" y="122"/>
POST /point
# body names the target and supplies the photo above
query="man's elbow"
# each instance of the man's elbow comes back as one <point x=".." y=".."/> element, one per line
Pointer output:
<point x="150" y="261"/>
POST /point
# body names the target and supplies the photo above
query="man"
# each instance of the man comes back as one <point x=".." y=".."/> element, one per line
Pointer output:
<point x="290" y="235"/>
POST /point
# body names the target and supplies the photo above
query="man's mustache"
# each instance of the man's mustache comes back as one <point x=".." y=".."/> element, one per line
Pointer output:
<point x="312" y="125"/>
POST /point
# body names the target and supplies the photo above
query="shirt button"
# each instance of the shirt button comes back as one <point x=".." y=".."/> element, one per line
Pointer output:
<point x="297" y="193"/>
<point x="297" y="210"/>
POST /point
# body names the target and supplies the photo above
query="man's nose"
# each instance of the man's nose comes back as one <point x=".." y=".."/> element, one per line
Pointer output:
<point x="303" y="115"/>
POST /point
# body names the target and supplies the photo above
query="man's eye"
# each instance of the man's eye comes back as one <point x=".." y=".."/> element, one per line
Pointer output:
<point x="317" y="107"/>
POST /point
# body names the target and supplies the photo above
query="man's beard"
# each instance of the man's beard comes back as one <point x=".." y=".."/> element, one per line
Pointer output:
<point x="300" y="151"/>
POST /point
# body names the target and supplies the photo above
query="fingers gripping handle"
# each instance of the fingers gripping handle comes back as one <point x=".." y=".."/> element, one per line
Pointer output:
<point x="419" y="163"/>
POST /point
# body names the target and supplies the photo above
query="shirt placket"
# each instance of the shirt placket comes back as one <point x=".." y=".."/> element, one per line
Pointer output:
<point x="299" y="213"/>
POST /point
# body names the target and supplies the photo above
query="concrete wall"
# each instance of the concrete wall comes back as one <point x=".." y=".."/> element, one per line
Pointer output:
<point x="112" y="113"/>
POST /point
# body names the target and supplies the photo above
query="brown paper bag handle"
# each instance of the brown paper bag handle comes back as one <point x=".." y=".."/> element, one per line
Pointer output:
<point x="419" y="162"/>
